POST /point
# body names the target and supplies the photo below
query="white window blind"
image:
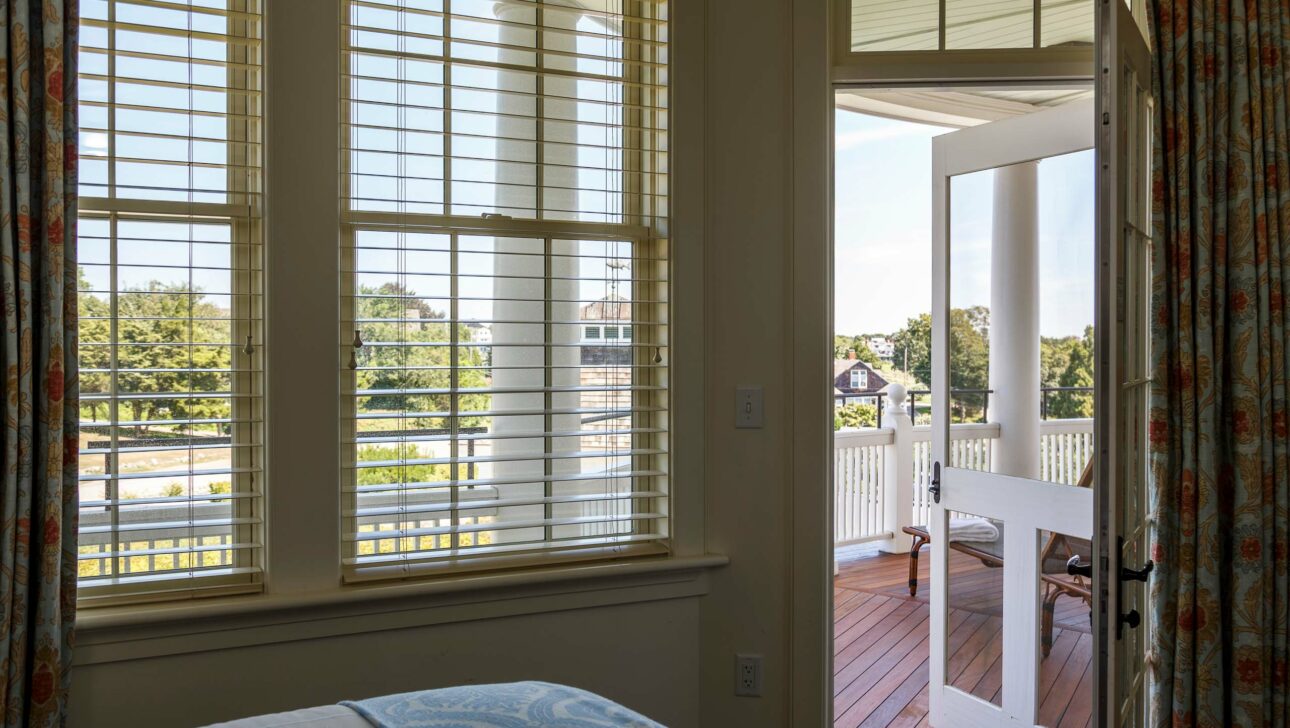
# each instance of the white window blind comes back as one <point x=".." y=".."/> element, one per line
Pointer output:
<point x="170" y="298"/>
<point x="505" y="177"/>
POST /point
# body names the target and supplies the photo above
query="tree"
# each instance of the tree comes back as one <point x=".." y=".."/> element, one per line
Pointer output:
<point x="1077" y="372"/>
<point x="913" y="346"/>
<point x="170" y="340"/>
<point x="852" y="416"/>
<point x="843" y="345"/>
<point x="969" y="356"/>
<point x="405" y="357"/>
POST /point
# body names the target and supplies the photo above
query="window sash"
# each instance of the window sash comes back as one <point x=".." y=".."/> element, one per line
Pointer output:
<point x="156" y="205"/>
<point x="411" y="525"/>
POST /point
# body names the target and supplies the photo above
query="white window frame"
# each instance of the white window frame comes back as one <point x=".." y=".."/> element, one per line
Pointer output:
<point x="302" y="554"/>
<point x="645" y="230"/>
<point x="245" y="574"/>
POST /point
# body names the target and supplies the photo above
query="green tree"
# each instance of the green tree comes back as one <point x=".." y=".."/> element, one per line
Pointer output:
<point x="1077" y="372"/>
<point x="170" y="339"/>
<point x="969" y="356"/>
<point x="855" y="415"/>
<point x="843" y="344"/>
<point x="404" y="360"/>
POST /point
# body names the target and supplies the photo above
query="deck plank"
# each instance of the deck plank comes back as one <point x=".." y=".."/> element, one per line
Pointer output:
<point x="881" y="646"/>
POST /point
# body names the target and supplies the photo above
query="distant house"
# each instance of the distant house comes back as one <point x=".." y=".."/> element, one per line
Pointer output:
<point x="855" y="382"/>
<point x="883" y="347"/>
<point x="606" y="333"/>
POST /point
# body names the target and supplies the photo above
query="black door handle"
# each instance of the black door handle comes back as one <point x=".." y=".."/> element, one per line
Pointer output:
<point x="1132" y="619"/>
<point x="1075" y="568"/>
<point x="935" y="487"/>
<point x="1127" y="574"/>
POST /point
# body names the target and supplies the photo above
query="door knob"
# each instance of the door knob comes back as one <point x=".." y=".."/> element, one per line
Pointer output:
<point x="1075" y="568"/>
<point x="935" y="487"/>
<point x="1131" y="620"/>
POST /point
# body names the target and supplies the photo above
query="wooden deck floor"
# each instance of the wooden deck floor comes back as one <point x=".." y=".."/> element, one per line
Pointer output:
<point x="880" y="645"/>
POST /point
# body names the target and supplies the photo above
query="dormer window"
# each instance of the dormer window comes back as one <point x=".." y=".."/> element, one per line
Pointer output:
<point x="859" y="379"/>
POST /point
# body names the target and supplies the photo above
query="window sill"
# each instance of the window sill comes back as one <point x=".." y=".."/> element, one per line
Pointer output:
<point x="112" y="634"/>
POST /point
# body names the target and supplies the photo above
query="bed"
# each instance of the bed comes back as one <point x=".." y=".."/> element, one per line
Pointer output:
<point x="511" y="705"/>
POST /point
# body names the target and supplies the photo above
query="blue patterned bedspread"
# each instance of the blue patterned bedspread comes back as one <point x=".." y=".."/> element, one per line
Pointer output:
<point x="505" y="705"/>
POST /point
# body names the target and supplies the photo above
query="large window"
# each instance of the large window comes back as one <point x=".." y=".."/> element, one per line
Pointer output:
<point x="505" y="178"/>
<point x="170" y="298"/>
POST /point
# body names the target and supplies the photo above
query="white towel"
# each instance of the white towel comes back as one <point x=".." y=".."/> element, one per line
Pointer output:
<point x="973" y="529"/>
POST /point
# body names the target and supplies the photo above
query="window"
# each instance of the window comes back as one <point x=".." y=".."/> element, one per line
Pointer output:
<point x="170" y="298"/>
<point x="592" y="332"/>
<point x="921" y="25"/>
<point x="504" y="166"/>
<point x="859" y="379"/>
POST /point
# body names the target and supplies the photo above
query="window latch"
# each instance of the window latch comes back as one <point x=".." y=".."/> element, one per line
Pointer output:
<point x="495" y="216"/>
<point x="353" y="354"/>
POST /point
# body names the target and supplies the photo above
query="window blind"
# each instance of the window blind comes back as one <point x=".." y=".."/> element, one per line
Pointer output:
<point x="504" y="168"/>
<point x="170" y="298"/>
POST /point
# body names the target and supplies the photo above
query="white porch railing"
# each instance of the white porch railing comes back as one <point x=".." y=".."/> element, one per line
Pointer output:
<point x="871" y="472"/>
<point x="1065" y="446"/>
<point x="858" y="467"/>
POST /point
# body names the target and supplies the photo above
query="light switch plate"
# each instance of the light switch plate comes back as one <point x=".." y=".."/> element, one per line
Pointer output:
<point x="749" y="411"/>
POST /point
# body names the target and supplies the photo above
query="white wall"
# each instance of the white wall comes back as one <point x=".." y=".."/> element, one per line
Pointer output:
<point x="651" y="666"/>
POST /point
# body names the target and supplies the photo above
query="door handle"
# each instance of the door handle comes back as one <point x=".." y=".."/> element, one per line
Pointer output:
<point x="1075" y="568"/>
<point x="1130" y="620"/>
<point x="1127" y="574"/>
<point x="935" y="487"/>
<point x="1133" y="618"/>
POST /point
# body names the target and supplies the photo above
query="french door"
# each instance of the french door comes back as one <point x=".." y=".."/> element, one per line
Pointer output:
<point x="990" y="637"/>
<point x="1123" y="367"/>
<point x="1038" y="577"/>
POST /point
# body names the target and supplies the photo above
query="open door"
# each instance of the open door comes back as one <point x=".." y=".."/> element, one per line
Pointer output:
<point x="1123" y="367"/>
<point x="1000" y="502"/>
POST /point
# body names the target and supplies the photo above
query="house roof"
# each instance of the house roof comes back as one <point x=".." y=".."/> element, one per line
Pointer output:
<point x="842" y="365"/>
<point x="610" y="308"/>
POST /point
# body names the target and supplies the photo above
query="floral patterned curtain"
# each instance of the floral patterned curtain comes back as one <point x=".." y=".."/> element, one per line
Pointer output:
<point x="38" y="445"/>
<point x="1222" y="362"/>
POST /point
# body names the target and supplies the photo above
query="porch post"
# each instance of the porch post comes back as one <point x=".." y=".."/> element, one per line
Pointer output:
<point x="1014" y="320"/>
<point x="898" y="472"/>
<point x="534" y="374"/>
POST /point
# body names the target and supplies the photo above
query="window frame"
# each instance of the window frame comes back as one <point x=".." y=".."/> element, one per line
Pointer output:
<point x="642" y="227"/>
<point x="245" y="130"/>
<point x="301" y="503"/>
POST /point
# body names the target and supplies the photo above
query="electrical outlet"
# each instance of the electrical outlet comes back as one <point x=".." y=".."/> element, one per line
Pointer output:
<point x="748" y="675"/>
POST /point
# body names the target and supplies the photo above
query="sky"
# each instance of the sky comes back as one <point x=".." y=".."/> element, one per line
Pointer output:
<point x="882" y="230"/>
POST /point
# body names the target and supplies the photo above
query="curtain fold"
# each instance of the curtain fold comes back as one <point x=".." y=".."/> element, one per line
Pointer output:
<point x="38" y="436"/>
<point x="1221" y="597"/>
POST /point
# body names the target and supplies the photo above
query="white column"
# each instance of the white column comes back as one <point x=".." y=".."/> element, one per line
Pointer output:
<point x="898" y="472"/>
<point x="519" y="277"/>
<point x="1014" y="320"/>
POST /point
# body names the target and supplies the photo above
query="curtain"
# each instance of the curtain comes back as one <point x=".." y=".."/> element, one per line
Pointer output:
<point x="38" y="436"/>
<point x="1221" y="597"/>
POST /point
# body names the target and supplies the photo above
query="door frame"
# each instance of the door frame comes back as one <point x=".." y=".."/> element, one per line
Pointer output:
<point x="820" y="69"/>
